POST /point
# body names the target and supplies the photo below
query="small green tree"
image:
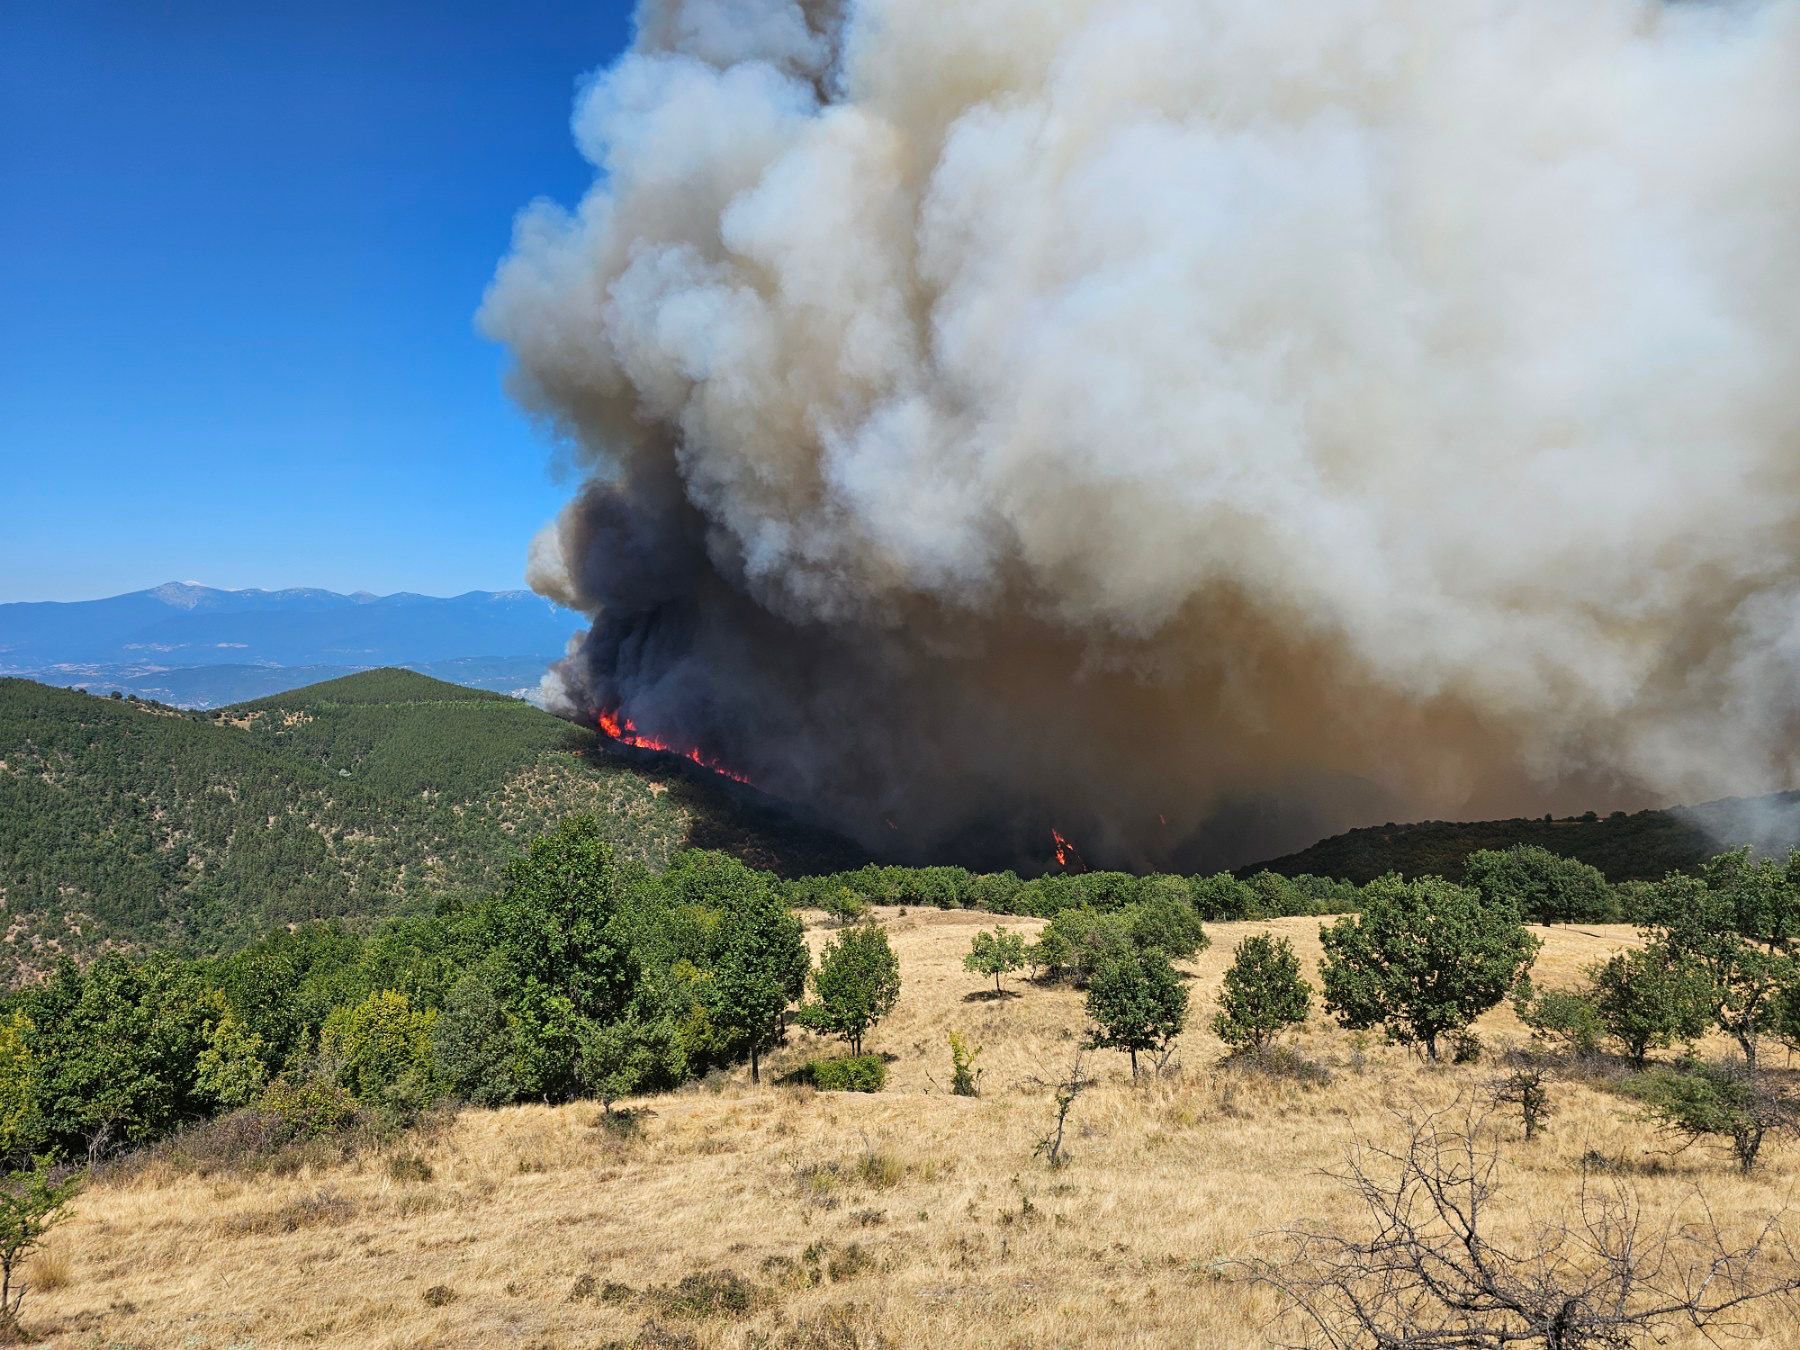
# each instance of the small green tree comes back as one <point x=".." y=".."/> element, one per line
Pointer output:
<point x="965" y="1078"/>
<point x="842" y="905"/>
<point x="1728" y="1101"/>
<point x="1264" y="993"/>
<point x="1566" y="1015"/>
<point x="230" y="1069"/>
<point x="1424" y="959"/>
<point x="1076" y="941"/>
<point x="32" y="1202"/>
<point x="856" y="984"/>
<point x="1137" y="1003"/>
<point x="380" y="1049"/>
<point x="472" y="1042"/>
<point x="995" y="953"/>
<point x="761" y="970"/>
<point x="1646" y="1001"/>
<point x="1542" y="886"/>
<point x="627" y="1057"/>
<point x="1166" y="920"/>
<point x="1737" y="923"/>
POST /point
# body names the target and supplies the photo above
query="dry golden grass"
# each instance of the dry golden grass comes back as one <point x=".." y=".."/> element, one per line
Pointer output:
<point x="913" y="1216"/>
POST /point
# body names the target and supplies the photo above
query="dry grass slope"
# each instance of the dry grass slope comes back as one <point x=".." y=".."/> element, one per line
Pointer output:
<point x="774" y="1216"/>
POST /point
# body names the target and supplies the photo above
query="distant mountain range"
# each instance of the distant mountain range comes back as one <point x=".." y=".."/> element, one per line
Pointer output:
<point x="202" y="646"/>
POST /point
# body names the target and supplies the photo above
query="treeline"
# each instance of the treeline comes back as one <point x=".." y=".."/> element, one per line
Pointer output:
<point x="1545" y="887"/>
<point x="584" y="974"/>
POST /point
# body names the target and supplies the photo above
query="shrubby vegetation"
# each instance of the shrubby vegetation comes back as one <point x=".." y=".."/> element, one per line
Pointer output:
<point x="584" y="974"/>
<point x="374" y="795"/>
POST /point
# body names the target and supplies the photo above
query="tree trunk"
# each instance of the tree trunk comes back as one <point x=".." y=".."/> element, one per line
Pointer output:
<point x="755" y="1065"/>
<point x="1431" y="1047"/>
<point x="996" y="981"/>
<point x="1132" y="1051"/>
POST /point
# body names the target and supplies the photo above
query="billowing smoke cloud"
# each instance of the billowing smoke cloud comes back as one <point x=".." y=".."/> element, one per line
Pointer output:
<point x="1188" y="422"/>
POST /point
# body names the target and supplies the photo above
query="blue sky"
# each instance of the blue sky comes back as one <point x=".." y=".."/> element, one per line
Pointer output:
<point x="241" y="246"/>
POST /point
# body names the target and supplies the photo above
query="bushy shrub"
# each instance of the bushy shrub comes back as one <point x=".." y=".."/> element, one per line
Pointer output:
<point x="310" y="1107"/>
<point x="1263" y="995"/>
<point x="848" y="1073"/>
<point x="1567" y="1016"/>
<point x="1544" y="887"/>
<point x="380" y="1049"/>
<point x="1728" y="1101"/>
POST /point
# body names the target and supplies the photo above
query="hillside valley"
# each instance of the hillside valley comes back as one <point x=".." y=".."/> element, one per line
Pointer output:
<point x="128" y="823"/>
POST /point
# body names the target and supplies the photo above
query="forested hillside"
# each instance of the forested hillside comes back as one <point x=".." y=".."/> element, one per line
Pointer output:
<point x="1642" y="846"/>
<point x="131" y="823"/>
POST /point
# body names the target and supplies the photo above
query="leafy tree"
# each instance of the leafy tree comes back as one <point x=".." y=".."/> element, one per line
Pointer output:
<point x="843" y="905"/>
<point x="118" y="1048"/>
<point x="627" y="1057"/>
<point x="32" y="1202"/>
<point x="1137" y="1003"/>
<point x="1076" y="941"/>
<point x="762" y="969"/>
<point x="1647" y="1001"/>
<point x="1423" y="960"/>
<point x="1263" y="995"/>
<point x="380" y="1049"/>
<point x="21" y="1106"/>
<point x="1737" y="923"/>
<point x="856" y="984"/>
<point x="1543" y="886"/>
<point x="1728" y="1101"/>
<point x="230" y="1070"/>
<point x="1567" y="1015"/>
<point x="1221" y="897"/>
<point x="995" y="954"/>
<point x="1167" y="922"/>
<point x="472" y="1043"/>
<point x="561" y="951"/>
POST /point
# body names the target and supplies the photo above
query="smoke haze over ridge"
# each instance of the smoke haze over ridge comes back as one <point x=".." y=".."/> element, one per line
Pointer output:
<point x="1261" y="419"/>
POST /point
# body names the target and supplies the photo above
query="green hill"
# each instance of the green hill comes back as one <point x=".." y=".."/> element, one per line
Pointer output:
<point x="132" y="823"/>
<point x="1642" y="846"/>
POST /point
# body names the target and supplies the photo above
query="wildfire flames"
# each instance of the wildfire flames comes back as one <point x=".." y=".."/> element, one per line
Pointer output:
<point x="1065" y="851"/>
<point x="623" y="730"/>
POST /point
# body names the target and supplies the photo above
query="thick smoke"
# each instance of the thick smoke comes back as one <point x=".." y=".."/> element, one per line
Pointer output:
<point x="1192" y="423"/>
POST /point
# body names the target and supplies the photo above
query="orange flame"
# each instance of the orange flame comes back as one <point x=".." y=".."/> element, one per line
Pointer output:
<point x="623" y="730"/>
<point x="1064" y="849"/>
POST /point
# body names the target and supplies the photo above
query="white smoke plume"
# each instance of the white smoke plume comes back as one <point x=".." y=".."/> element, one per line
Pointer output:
<point x="1190" y="422"/>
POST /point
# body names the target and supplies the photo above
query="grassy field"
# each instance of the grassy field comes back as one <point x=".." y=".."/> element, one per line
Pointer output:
<point x="770" y="1215"/>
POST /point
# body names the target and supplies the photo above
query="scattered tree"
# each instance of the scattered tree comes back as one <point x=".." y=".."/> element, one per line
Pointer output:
<point x="1737" y="924"/>
<point x="761" y="970"/>
<point x="856" y="985"/>
<point x="626" y="1057"/>
<point x="1648" y="1001"/>
<point x="1264" y="994"/>
<point x="1528" y="1088"/>
<point x="1569" y="1016"/>
<point x="965" y="1078"/>
<point x="1423" y="960"/>
<point x="1727" y="1101"/>
<point x="995" y="953"/>
<point x="1137" y="1003"/>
